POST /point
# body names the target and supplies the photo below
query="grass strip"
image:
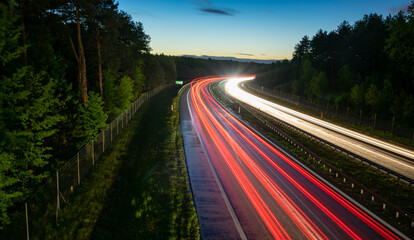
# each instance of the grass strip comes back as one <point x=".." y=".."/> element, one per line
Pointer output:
<point x="138" y="189"/>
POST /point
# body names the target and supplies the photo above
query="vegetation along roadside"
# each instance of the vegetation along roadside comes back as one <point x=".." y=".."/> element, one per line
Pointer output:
<point x="139" y="188"/>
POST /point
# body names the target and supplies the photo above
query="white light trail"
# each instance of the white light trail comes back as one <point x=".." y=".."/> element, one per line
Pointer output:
<point x="232" y="86"/>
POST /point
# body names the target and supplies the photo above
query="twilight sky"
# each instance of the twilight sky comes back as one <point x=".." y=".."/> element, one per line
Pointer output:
<point x="257" y="29"/>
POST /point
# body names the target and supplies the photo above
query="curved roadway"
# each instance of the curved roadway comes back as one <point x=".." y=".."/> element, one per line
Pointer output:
<point x="271" y="194"/>
<point x="393" y="157"/>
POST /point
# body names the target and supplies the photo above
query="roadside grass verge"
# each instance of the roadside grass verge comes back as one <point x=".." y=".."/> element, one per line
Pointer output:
<point x="138" y="189"/>
<point x="368" y="130"/>
<point x="398" y="193"/>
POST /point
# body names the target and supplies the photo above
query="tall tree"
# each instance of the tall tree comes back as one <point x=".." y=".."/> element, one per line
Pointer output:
<point x="81" y="60"/>
<point x="28" y="117"/>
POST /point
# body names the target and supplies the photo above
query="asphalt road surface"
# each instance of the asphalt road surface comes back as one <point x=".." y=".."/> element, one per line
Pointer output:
<point x="391" y="156"/>
<point x="263" y="193"/>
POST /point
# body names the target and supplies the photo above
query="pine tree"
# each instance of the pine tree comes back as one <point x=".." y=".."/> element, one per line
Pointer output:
<point x="28" y="103"/>
<point x="9" y="135"/>
<point x="91" y="121"/>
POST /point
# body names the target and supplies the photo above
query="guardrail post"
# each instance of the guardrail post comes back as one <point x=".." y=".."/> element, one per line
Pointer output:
<point x="375" y="119"/>
<point x="392" y="126"/>
<point x="347" y="112"/>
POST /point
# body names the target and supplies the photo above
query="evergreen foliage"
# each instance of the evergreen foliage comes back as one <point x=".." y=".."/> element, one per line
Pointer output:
<point x="123" y="94"/>
<point x="91" y="120"/>
<point x="28" y="118"/>
<point x="369" y="65"/>
<point x="47" y="110"/>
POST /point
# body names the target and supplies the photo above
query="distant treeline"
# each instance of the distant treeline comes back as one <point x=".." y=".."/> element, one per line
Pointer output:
<point x="369" y="65"/>
<point x="189" y="68"/>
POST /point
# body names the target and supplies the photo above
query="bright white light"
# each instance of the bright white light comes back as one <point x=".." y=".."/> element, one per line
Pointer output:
<point x="294" y="117"/>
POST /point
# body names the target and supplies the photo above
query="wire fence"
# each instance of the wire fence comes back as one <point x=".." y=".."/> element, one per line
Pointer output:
<point x="352" y="114"/>
<point x="45" y="205"/>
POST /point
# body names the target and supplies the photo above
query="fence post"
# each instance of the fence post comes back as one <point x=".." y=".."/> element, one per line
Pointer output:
<point x="78" y="168"/>
<point x="103" y="140"/>
<point x="57" y="199"/>
<point x="27" y="222"/>
<point x="93" y="153"/>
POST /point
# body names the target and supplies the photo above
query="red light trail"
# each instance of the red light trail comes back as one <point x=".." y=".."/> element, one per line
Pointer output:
<point x="288" y="199"/>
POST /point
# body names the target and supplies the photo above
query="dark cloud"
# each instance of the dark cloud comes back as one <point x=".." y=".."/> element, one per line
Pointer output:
<point x="226" y="12"/>
<point x="245" y="54"/>
<point x="397" y="9"/>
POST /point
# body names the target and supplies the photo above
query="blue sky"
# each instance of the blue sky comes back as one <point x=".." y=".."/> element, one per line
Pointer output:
<point x="261" y="29"/>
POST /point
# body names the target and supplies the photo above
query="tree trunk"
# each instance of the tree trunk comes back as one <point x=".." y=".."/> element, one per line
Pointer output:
<point x="26" y="82"/>
<point x="98" y="44"/>
<point x="81" y="64"/>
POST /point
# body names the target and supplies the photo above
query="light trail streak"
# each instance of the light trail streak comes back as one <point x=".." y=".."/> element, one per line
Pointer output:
<point x="212" y="118"/>
<point x="294" y="117"/>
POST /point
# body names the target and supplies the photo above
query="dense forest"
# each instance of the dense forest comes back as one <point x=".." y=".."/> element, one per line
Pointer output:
<point x="67" y="68"/>
<point x="369" y="65"/>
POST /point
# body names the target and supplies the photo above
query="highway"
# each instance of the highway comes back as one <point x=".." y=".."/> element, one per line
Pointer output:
<point x="272" y="195"/>
<point x="391" y="156"/>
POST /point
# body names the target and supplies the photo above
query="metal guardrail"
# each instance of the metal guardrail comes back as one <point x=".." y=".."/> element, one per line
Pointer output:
<point x="386" y="206"/>
<point x="370" y="163"/>
<point x="347" y="113"/>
